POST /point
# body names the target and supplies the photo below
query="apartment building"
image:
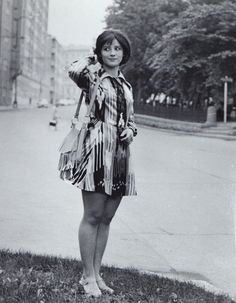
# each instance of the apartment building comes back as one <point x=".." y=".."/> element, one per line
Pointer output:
<point x="23" y="45"/>
<point x="56" y="65"/>
<point x="31" y="20"/>
<point x="6" y="11"/>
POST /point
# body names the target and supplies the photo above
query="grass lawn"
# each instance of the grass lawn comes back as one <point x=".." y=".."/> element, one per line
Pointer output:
<point x="25" y="277"/>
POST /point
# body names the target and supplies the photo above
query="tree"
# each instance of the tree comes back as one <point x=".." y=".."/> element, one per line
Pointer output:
<point x="198" y="48"/>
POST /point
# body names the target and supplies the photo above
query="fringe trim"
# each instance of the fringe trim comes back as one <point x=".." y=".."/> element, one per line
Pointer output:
<point x="68" y="162"/>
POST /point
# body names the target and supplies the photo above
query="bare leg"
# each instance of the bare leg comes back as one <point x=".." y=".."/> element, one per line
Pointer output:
<point x="111" y="205"/>
<point x="94" y="205"/>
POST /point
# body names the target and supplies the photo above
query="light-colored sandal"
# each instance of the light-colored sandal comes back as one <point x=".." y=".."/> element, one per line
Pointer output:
<point x="102" y="285"/>
<point x="90" y="287"/>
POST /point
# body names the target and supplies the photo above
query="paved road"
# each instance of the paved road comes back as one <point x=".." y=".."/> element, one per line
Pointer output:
<point x="182" y="221"/>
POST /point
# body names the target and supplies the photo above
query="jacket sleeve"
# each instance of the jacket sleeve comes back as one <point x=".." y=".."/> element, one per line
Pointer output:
<point x="80" y="73"/>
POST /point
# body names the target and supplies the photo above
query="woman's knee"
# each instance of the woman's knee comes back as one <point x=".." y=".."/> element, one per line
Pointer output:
<point x="93" y="218"/>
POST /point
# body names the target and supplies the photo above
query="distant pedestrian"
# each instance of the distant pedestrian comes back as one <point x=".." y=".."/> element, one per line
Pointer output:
<point x="55" y="117"/>
<point x="162" y="98"/>
<point x="157" y="98"/>
<point x="190" y="103"/>
<point x="105" y="173"/>
<point x="211" y="102"/>
<point x="168" y="101"/>
<point x="152" y="99"/>
<point x="174" y="101"/>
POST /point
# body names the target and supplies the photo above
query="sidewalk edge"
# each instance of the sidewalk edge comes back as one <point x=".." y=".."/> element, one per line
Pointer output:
<point x="197" y="282"/>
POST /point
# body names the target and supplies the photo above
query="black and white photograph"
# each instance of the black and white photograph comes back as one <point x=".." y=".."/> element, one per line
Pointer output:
<point x="118" y="151"/>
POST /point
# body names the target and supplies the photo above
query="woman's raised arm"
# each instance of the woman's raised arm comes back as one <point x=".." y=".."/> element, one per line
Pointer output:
<point x="82" y="72"/>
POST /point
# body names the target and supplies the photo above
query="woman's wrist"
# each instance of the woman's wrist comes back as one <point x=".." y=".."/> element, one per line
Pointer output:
<point x="134" y="130"/>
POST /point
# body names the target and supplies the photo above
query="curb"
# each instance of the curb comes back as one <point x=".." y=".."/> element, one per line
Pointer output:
<point x="168" y="123"/>
<point x="206" y="285"/>
<point x="10" y="108"/>
<point x="190" y="128"/>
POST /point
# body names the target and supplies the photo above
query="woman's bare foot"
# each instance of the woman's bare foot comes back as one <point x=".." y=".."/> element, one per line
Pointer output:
<point x="90" y="287"/>
<point x="102" y="285"/>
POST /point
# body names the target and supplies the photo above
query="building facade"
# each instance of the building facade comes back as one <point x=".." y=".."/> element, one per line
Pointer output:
<point x="26" y="26"/>
<point x="6" y="11"/>
<point x="56" y="69"/>
<point x="31" y="21"/>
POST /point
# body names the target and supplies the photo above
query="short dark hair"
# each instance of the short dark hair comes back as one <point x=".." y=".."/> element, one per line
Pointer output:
<point x="107" y="37"/>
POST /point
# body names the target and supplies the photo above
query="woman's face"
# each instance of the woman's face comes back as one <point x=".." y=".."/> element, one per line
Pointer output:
<point x="112" y="54"/>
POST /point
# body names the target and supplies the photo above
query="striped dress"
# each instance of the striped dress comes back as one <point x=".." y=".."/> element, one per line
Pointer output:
<point x="106" y="164"/>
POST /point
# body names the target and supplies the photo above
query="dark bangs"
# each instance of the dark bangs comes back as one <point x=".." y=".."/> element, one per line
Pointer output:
<point x="107" y="37"/>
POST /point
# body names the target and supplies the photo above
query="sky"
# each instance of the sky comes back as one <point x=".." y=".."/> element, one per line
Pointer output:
<point x="77" y="22"/>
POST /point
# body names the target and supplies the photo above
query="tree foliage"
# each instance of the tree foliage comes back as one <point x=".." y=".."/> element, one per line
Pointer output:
<point x="197" y="50"/>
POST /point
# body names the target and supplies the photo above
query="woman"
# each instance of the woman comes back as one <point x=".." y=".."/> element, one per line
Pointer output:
<point x="105" y="173"/>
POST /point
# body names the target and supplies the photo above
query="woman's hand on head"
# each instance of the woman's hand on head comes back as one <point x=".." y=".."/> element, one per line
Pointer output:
<point x="126" y="136"/>
<point x="93" y="64"/>
<point x="92" y="59"/>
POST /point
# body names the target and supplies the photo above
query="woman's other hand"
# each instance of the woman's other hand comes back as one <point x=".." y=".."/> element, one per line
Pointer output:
<point x="126" y="136"/>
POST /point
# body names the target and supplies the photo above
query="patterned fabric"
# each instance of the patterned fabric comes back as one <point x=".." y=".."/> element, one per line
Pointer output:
<point x="106" y="164"/>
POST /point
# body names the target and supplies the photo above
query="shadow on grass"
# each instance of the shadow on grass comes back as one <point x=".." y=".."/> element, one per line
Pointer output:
<point x="29" y="278"/>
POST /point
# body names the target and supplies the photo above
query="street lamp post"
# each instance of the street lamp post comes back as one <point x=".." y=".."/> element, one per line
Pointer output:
<point x="17" y="61"/>
<point x="226" y="80"/>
